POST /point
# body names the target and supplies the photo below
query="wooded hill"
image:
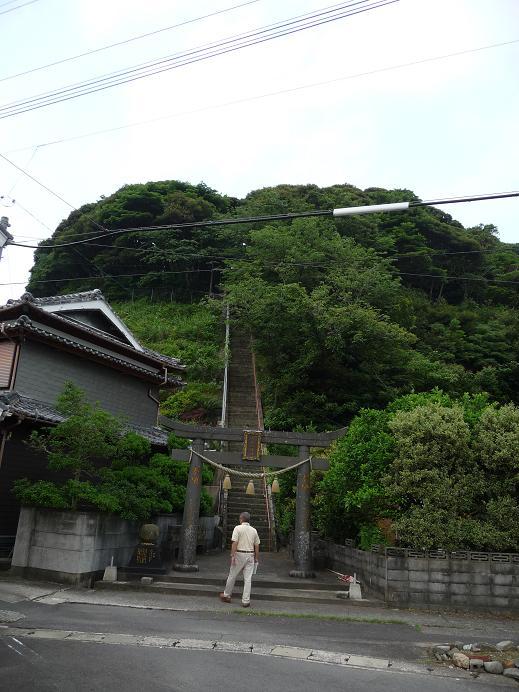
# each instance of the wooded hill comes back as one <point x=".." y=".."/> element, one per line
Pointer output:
<point x="346" y="313"/>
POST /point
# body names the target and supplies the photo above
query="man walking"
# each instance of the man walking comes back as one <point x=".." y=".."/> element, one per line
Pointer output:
<point x="244" y="555"/>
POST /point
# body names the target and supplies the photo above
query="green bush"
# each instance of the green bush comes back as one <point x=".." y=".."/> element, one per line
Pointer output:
<point x="195" y="396"/>
<point x="445" y="471"/>
<point x="111" y="470"/>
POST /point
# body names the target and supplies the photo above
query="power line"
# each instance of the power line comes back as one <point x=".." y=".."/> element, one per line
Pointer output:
<point x="180" y="60"/>
<point x="38" y="182"/>
<point x="230" y="41"/>
<point x="18" y="7"/>
<point x="54" y="194"/>
<point x="110" y="276"/>
<point x="193" y="224"/>
<point x="335" y="213"/>
<point x="271" y="94"/>
<point x="459" y="278"/>
<point x="42" y="223"/>
<point x="126" y="41"/>
<point x="220" y="269"/>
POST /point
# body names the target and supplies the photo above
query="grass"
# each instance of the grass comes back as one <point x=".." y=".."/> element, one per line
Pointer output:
<point x="315" y="616"/>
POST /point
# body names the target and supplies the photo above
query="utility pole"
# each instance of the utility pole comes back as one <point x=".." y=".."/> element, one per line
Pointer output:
<point x="5" y="236"/>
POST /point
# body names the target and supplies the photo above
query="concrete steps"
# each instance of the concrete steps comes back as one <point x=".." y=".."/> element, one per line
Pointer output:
<point x="242" y="413"/>
<point x="267" y="591"/>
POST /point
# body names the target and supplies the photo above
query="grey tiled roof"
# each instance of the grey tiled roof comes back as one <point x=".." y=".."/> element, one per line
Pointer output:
<point x="84" y="296"/>
<point x="25" y="324"/>
<point x="14" y="405"/>
<point x="87" y="296"/>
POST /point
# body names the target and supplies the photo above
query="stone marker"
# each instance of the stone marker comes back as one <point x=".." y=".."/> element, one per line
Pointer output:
<point x="110" y="572"/>
<point x="146" y="581"/>
<point x="505" y="645"/>
<point x="495" y="667"/>
<point x="461" y="661"/>
<point x="355" y="593"/>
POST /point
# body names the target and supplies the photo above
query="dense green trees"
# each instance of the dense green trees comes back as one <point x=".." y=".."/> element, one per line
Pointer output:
<point x="346" y="313"/>
<point x="355" y="320"/>
<point x="444" y="471"/>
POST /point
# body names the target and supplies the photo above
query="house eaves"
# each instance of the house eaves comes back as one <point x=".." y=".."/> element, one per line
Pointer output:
<point x="24" y="326"/>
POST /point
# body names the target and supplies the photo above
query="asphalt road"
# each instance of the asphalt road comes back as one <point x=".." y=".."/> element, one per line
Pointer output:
<point x="401" y="642"/>
<point x="45" y="666"/>
<point x="40" y="664"/>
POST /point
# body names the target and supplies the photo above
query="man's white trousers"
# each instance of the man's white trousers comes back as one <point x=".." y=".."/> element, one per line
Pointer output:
<point x="244" y="562"/>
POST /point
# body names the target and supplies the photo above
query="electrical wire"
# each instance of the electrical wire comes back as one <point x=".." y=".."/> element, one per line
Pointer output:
<point x="271" y="94"/>
<point x="251" y="219"/>
<point x="193" y="224"/>
<point x="111" y="276"/>
<point x="42" y="223"/>
<point x="18" y="7"/>
<point x="172" y="62"/>
<point x="220" y="269"/>
<point x="48" y="189"/>
<point x="126" y="41"/>
<point x="215" y="44"/>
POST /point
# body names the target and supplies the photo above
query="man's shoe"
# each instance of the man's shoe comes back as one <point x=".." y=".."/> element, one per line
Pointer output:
<point x="246" y="605"/>
<point x="224" y="598"/>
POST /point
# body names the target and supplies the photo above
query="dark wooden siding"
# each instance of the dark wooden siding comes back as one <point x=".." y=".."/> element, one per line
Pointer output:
<point x="42" y="372"/>
<point x="7" y="351"/>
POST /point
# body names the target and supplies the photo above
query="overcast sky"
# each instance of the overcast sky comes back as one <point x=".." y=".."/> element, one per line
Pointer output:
<point x="441" y="128"/>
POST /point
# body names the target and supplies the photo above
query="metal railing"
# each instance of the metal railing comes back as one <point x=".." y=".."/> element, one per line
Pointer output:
<point x="223" y="418"/>
<point x="222" y="494"/>
<point x="261" y="426"/>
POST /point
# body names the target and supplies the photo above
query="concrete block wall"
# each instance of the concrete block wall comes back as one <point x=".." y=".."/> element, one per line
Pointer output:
<point x="71" y="547"/>
<point x="467" y="579"/>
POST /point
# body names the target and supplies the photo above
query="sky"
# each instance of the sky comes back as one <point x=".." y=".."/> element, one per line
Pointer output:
<point x="334" y="104"/>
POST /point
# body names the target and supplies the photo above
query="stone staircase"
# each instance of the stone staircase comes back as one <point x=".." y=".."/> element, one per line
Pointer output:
<point x="242" y="413"/>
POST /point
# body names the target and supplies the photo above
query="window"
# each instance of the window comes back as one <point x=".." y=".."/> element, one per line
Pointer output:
<point x="7" y="351"/>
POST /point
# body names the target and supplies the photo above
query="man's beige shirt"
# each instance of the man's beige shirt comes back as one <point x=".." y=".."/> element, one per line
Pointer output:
<point x="246" y="536"/>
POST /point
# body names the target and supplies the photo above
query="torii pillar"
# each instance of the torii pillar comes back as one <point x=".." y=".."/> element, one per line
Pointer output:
<point x="188" y="537"/>
<point x="201" y="433"/>
<point x="302" y="537"/>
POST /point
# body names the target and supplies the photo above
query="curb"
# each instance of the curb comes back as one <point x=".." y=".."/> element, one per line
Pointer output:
<point x="315" y="596"/>
<point x="260" y="649"/>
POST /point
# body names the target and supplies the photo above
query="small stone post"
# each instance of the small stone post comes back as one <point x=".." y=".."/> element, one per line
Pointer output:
<point x="302" y="545"/>
<point x="189" y="534"/>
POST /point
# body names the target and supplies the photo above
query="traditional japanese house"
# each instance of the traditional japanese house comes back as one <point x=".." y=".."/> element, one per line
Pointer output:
<point x="46" y="342"/>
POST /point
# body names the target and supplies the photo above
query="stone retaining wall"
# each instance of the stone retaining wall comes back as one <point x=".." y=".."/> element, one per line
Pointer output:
<point x="401" y="576"/>
<point x="71" y="547"/>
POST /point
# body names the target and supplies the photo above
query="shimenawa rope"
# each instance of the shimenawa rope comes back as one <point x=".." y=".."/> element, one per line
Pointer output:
<point x="247" y="474"/>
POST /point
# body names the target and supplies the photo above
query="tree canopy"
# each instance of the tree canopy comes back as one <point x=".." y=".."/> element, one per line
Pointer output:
<point x="346" y="313"/>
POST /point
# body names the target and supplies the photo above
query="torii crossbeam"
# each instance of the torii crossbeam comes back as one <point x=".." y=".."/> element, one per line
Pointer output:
<point x="203" y="433"/>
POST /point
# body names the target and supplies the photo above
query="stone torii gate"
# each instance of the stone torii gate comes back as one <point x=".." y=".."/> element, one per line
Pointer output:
<point x="248" y="462"/>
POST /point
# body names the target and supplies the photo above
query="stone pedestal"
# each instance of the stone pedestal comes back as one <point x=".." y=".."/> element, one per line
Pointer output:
<point x="146" y="558"/>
